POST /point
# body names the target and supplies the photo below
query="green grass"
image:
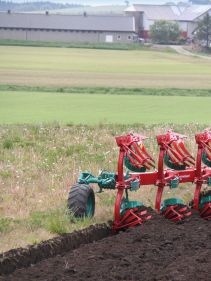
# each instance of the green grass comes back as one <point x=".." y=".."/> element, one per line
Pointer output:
<point x="104" y="61"/>
<point x="40" y="162"/>
<point x="57" y="221"/>
<point x="44" y="161"/>
<point x="64" y="108"/>
<point x="79" y="45"/>
<point x="5" y="224"/>
<point x="111" y="91"/>
<point x="63" y="67"/>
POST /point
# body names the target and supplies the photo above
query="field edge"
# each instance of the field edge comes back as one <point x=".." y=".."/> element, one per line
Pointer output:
<point x="24" y="257"/>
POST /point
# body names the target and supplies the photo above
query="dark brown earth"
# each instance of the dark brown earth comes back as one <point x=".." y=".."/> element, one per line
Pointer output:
<point x="157" y="250"/>
<point x="24" y="257"/>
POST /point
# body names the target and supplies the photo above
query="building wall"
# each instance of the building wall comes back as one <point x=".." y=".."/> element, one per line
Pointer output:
<point x="192" y="26"/>
<point x="66" y="36"/>
<point x="138" y="18"/>
<point x="147" y="23"/>
<point x="183" y="25"/>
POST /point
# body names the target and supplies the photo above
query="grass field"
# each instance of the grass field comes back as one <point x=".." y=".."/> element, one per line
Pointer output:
<point x="78" y="45"/>
<point x="38" y="164"/>
<point x="101" y="68"/>
<point x="77" y="91"/>
<point x="39" y="107"/>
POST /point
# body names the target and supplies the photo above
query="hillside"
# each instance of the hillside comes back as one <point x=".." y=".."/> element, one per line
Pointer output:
<point x="35" y="6"/>
<point x="76" y="7"/>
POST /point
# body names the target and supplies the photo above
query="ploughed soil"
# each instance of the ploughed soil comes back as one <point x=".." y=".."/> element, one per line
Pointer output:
<point x="156" y="250"/>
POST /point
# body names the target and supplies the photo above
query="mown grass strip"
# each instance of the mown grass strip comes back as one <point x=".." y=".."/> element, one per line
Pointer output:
<point x="63" y="67"/>
<point x="111" y="91"/>
<point x="42" y="107"/>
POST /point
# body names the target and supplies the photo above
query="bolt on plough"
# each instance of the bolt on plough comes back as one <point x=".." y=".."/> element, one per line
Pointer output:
<point x="175" y="166"/>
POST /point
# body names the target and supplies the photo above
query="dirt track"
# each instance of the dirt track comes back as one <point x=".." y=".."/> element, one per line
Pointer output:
<point x="157" y="250"/>
<point x="182" y="51"/>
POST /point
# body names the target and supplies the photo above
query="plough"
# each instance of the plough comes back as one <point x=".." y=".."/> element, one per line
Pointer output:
<point x="181" y="168"/>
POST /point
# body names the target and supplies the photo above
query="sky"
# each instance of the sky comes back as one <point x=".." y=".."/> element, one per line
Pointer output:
<point x="104" y="2"/>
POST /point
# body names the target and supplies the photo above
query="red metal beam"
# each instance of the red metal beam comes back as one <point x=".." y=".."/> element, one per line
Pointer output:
<point x="170" y="144"/>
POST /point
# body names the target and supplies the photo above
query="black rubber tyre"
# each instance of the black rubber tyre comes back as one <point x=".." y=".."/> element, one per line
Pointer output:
<point x="81" y="201"/>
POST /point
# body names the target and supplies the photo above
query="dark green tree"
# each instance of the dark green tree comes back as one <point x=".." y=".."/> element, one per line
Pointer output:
<point x="163" y="31"/>
<point x="203" y="31"/>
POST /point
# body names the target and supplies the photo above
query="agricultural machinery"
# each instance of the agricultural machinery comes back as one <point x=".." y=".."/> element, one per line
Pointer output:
<point x="133" y="173"/>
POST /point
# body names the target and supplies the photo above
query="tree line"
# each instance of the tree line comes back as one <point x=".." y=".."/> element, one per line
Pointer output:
<point x="34" y="6"/>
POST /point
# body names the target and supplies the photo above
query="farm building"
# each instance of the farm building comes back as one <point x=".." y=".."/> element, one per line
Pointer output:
<point x="75" y="28"/>
<point x="127" y="28"/>
<point x="186" y="16"/>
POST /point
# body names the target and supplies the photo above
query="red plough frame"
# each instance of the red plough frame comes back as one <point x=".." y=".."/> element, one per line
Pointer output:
<point x="183" y="169"/>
